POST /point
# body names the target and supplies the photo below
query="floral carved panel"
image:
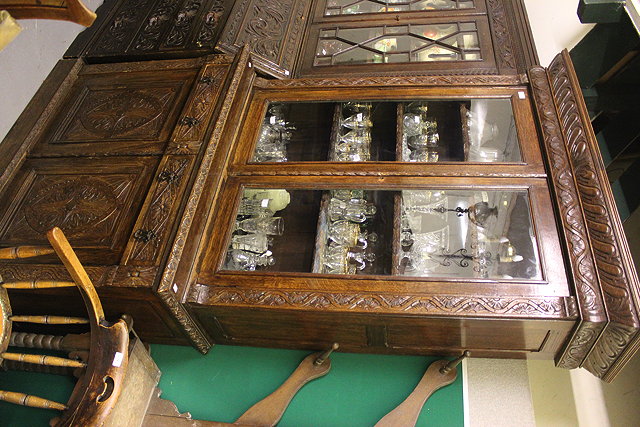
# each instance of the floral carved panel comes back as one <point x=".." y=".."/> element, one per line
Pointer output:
<point x="115" y="114"/>
<point x="273" y="30"/>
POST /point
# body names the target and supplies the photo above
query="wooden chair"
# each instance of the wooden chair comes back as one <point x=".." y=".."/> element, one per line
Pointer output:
<point x="99" y="386"/>
<point x="63" y="10"/>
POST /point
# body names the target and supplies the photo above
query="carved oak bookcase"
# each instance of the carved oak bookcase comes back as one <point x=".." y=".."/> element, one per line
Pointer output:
<point x="572" y="295"/>
<point x="426" y="209"/>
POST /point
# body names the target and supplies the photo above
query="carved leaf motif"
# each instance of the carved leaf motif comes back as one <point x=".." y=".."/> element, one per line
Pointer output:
<point x="156" y="23"/>
<point x="156" y="219"/>
<point x="119" y="113"/>
<point x="118" y="36"/>
<point x="71" y="204"/>
<point x="441" y="304"/>
<point x="210" y="23"/>
<point x="501" y="35"/>
<point x="182" y="26"/>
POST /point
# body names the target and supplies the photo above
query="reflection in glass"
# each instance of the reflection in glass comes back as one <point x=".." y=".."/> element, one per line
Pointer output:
<point x="474" y="234"/>
<point x="350" y="7"/>
<point x="472" y="130"/>
<point x="455" y="41"/>
<point x="424" y="233"/>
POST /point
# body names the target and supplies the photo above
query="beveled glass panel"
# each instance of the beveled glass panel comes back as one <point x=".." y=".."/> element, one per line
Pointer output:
<point x="456" y="41"/>
<point x="351" y="7"/>
<point x="474" y="130"/>
<point x="461" y="233"/>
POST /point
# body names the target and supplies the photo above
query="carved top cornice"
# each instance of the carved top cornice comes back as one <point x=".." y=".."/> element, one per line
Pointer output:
<point x="606" y="283"/>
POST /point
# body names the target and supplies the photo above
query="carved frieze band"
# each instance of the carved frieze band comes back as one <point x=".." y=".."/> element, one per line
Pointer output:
<point x="579" y="345"/>
<point x="613" y="342"/>
<point x="112" y="276"/>
<point x="389" y="303"/>
<point x="615" y="269"/>
<point x="448" y="80"/>
<point x="575" y="233"/>
<point x="501" y="37"/>
<point x="195" y="334"/>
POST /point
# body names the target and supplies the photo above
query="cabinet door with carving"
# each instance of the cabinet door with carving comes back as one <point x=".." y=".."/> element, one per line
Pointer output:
<point x="119" y="109"/>
<point x="93" y="200"/>
<point x="273" y="29"/>
<point x="153" y="29"/>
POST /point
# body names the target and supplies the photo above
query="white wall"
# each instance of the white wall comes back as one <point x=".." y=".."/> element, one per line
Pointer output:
<point x="555" y="26"/>
<point x="28" y="59"/>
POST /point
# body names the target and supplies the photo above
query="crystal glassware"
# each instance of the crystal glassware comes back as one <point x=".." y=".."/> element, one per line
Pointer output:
<point x="257" y="243"/>
<point x="249" y="261"/>
<point x="254" y="207"/>
<point x="355" y="210"/>
<point x="357" y="121"/>
<point x="273" y="226"/>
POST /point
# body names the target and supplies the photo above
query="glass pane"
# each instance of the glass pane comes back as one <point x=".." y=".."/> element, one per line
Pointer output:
<point x="476" y="130"/>
<point x="331" y="232"/>
<point x="467" y="234"/>
<point x="320" y="131"/>
<point x="392" y="44"/>
<point x="350" y="7"/>
<point x="423" y="233"/>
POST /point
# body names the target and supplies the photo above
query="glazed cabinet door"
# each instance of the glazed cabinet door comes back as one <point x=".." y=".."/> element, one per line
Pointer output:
<point x="366" y="213"/>
<point x="404" y="131"/>
<point x="409" y="38"/>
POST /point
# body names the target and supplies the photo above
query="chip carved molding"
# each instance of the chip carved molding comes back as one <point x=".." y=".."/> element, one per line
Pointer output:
<point x="166" y="285"/>
<point x="616" y="274"/>
<point x="442" y="80"/>
<point x="584" y="274"/>
<point x="502" y="39"/>
<point x="458" y="305"/>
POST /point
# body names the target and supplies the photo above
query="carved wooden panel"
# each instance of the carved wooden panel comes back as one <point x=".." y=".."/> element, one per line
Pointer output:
<point x="94" y="201"/>
<point x="272" y="28"/>
<point x="152" y="230"/>
<point x="194" y="119"/>
<point x="138" y="29"/>
<point x="114" y="113"/>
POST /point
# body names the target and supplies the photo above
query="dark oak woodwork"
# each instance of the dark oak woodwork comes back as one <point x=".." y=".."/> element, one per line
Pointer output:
<point x="93" y="200"/>
<point x="602" y="267"/>
<point x="120" y="212"/>
<point x="132" y="30"/>
<point x="272" y="29"/>
<point x="151" y="158"/>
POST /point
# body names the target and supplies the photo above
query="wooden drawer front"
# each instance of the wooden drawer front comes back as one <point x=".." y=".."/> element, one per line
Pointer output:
<point x="116" y="113"/>
<point x="272" y="28"/>
<point x="159" y="28"/>
<point x="468" y="334"/>
<point x="93" y="200"/>
<point x="152" y="230"/>
<point x="377" y="333"/>
<point x="194" y="118"/>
